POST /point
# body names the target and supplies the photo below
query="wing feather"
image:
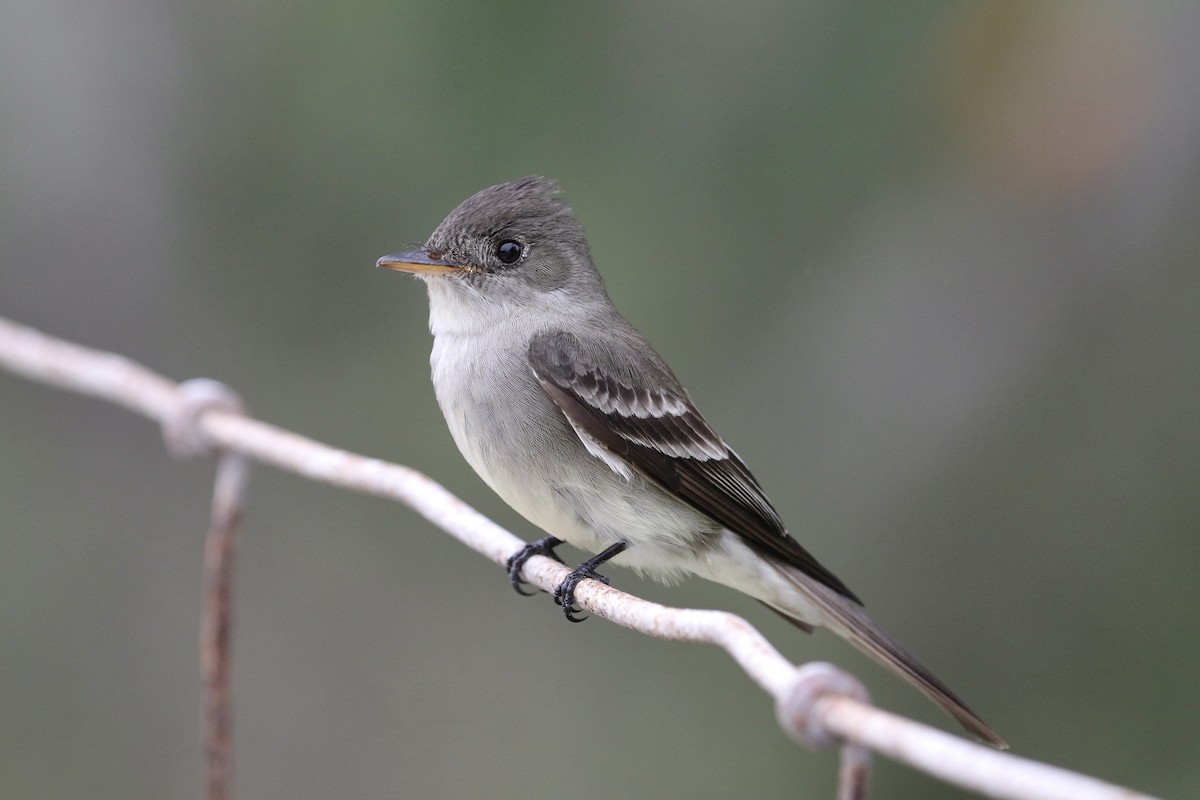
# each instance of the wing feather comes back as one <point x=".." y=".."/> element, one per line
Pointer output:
<point x="658" y="433"/>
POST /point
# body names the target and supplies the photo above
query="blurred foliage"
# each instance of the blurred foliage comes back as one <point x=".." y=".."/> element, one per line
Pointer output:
<point x="931" y="267"/>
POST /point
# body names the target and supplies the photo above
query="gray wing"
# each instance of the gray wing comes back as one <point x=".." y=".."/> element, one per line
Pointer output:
<point x="661" y="435"/>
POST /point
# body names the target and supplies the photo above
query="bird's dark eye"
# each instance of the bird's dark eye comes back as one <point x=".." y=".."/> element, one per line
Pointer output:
<point x="508" y="251"/>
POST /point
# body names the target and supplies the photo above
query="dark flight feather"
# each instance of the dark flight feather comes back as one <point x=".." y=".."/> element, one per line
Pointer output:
<point x="660" y="434"/>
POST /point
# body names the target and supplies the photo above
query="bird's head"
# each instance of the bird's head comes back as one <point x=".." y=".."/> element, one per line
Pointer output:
<point x="511" y="248"/>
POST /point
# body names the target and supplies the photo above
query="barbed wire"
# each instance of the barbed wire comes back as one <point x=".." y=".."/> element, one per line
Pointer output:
<point x="818" y="705"/>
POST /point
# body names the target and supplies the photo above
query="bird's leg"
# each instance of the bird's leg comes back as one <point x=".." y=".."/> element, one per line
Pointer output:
<point x="564" y="595"/>
<point x="542" y="547"/>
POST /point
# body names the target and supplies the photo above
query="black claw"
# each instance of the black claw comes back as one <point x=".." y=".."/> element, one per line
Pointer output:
<point x="542" y="547"/>
<point x="564" y="594"/>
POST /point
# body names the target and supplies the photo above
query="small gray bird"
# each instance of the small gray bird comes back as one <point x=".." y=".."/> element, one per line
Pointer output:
<point x="578" y="424"/>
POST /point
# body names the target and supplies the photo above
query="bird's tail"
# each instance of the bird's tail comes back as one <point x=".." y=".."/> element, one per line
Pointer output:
<point x="848" y="620"/>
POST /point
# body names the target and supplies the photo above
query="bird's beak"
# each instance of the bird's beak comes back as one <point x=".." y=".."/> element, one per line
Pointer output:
<point x="416" y="262"/>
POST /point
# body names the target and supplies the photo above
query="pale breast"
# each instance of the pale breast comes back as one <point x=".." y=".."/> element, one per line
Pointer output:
<point x="523" y="447"/>
<point x="507" y="429"/>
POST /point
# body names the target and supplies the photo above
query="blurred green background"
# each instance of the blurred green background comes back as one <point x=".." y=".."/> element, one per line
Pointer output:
<point x="930" y="267"/>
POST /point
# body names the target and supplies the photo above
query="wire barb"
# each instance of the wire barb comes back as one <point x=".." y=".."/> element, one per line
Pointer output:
<point x="796" y="708"/>
<point x="799" y="714"/>
<point x="182" y="432"/>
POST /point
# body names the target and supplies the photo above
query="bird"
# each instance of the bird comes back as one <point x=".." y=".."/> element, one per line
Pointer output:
<point x="566" y="411"/>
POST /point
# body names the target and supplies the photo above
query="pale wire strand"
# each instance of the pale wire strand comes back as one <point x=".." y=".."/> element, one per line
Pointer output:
<point x="835" y="715"/>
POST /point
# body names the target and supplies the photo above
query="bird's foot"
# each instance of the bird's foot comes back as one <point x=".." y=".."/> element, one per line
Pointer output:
<point x="564" y="595"/>
<point x="542" y="547"/>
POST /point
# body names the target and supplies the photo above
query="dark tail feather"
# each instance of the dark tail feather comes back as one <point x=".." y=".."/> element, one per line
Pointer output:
<point x="853" y="624"/>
